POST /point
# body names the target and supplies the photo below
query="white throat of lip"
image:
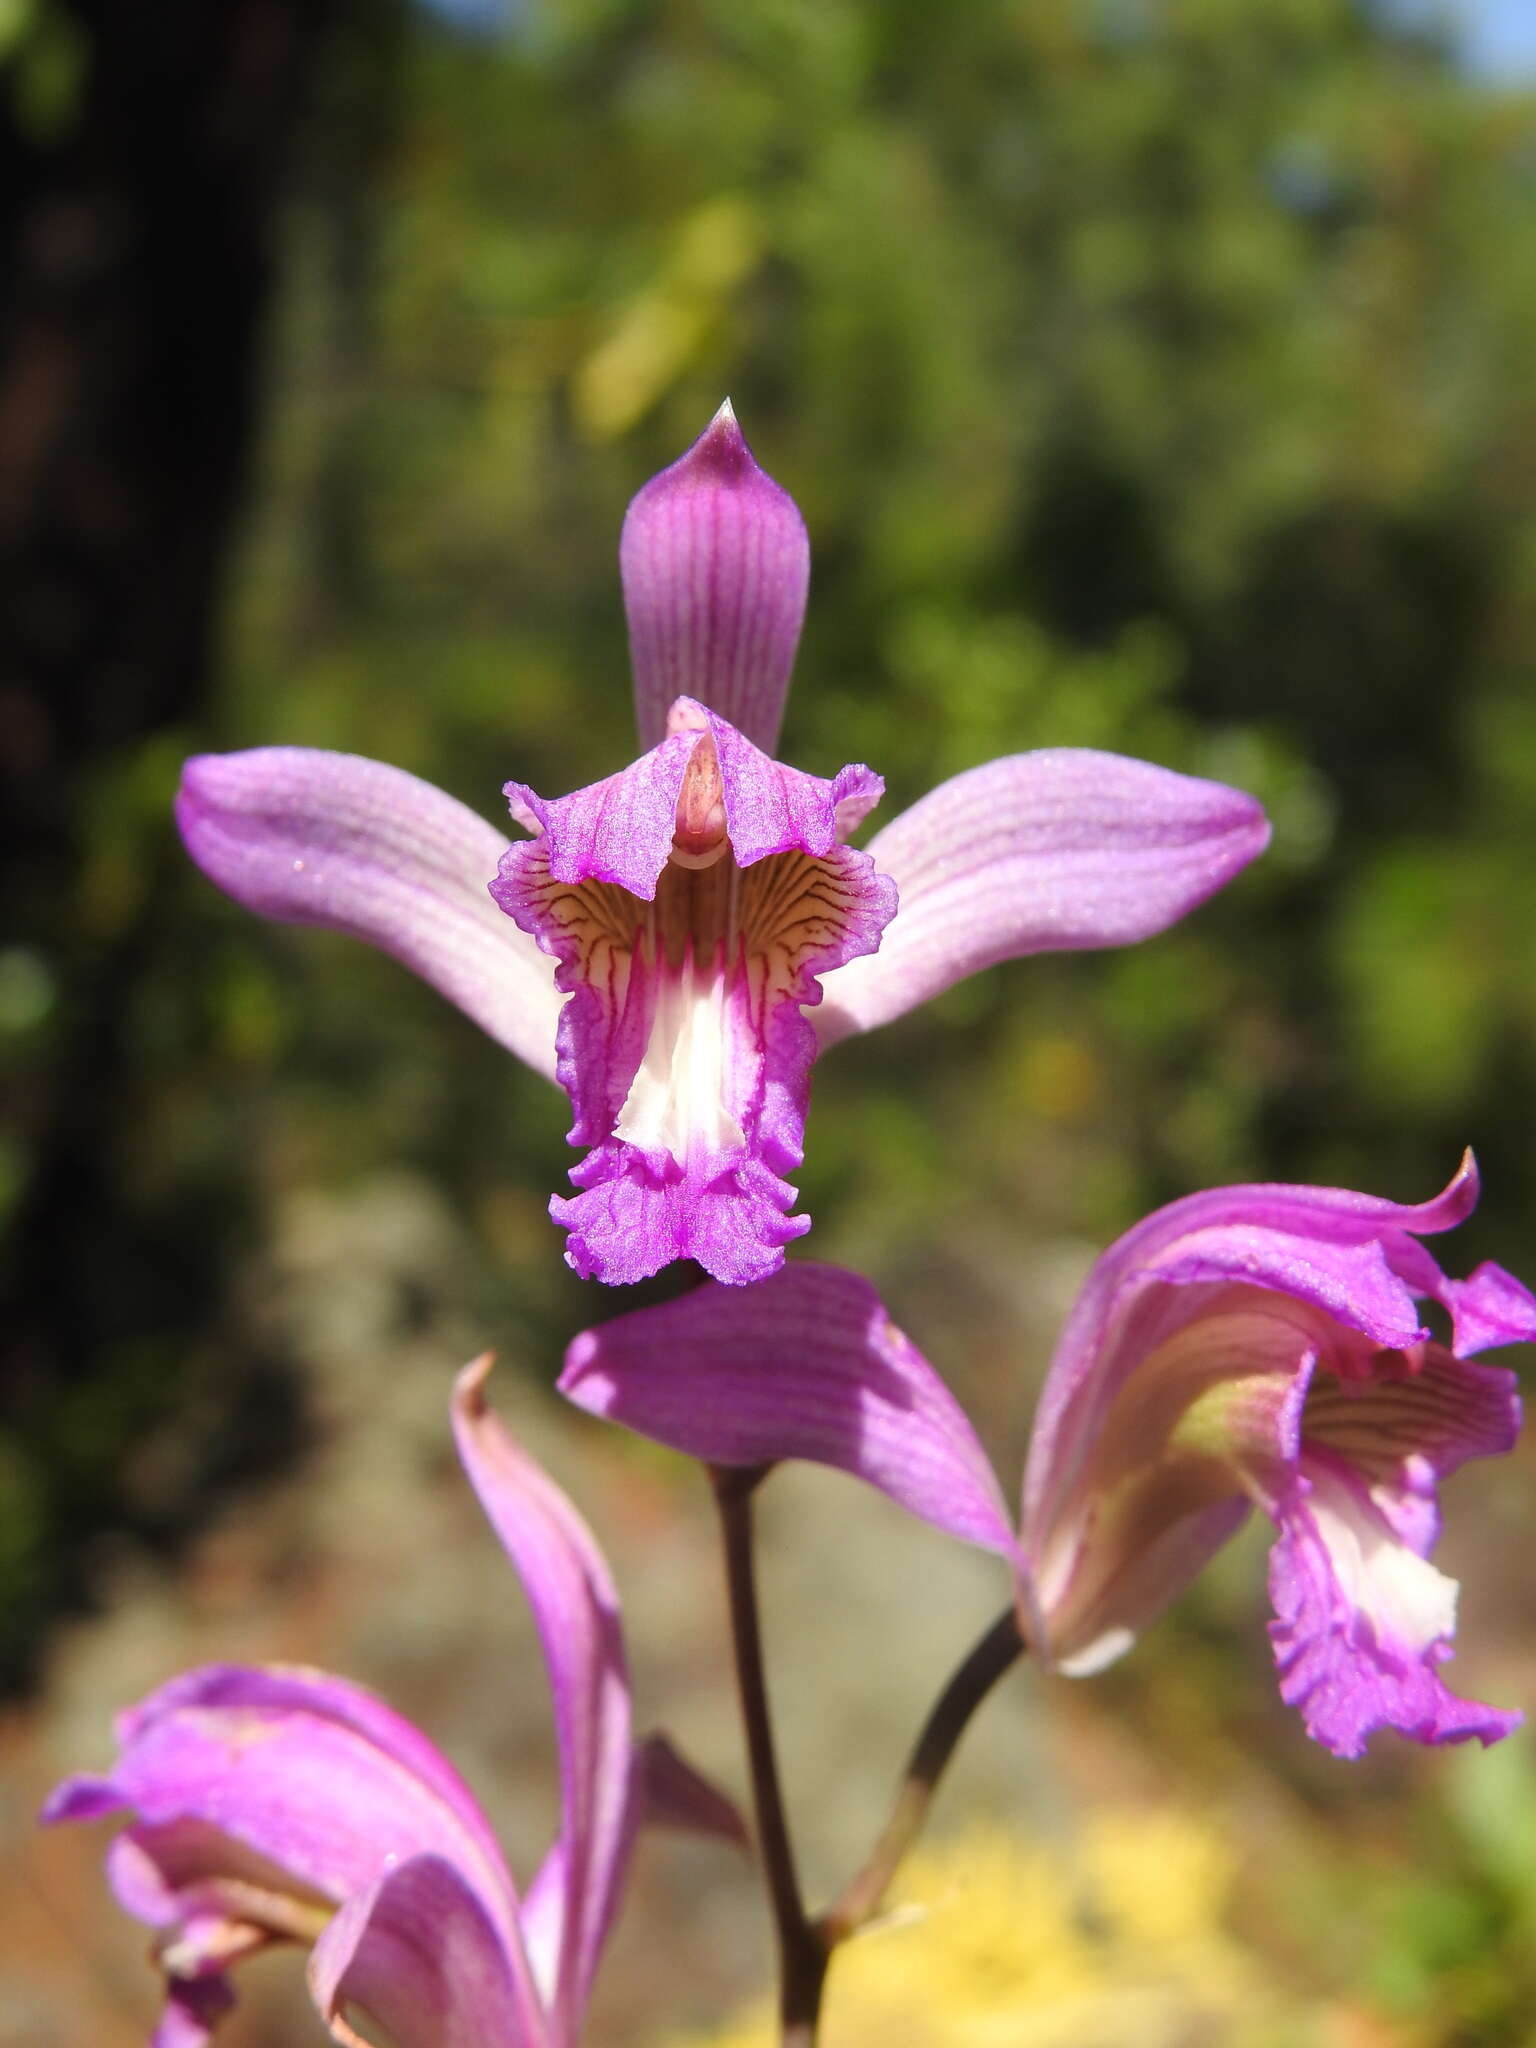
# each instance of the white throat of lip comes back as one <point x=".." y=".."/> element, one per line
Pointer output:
<point x="1402" y="1595"/>
<point x="676" y="1102"/>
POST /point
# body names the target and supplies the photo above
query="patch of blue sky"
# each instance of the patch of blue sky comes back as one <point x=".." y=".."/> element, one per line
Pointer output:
<point x="1496" y="38"/>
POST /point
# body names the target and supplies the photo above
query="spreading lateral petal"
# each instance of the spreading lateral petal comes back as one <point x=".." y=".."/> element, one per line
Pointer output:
<point x="329" y="839"/>
<point x="1046" y="852"/>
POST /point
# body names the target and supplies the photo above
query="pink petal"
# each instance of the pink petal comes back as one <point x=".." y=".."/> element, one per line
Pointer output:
<point x="1147" y="1576"/>
<point x="1344" y="1255"/>
<point x="665" y="1792"/>
<point x="1489" y="1307"/>
<point x="715" y="563"/>
<point x="770" y="808"/>
<point x="417" y="1952"/>
<point x="330" y="839"/>
<point x="299" y="1689"/>
<point x="1362" y="1624"/>
<point x="293" y="1782"/>
<point x="1210" y="1414"/>
<point x="807" y="1364"/>
<point x="618" y="830"/>
<point x="576" y="1611"/>
<point x="1405" y="1420"/>
<point x="726" y="1210"/>
<point x="1043" y="852"/>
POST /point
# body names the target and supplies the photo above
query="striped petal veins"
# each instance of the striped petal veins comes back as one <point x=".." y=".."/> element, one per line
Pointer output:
<point x="692" y="904"/>
<point x="1363" y="1620"/>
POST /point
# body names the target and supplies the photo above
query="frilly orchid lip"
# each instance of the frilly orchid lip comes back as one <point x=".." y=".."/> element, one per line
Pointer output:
<point x="692" y="904"/>
<point x="272" y="1803"/>
<point x="682" y="938"/>
<point x="1247" y="1346"/>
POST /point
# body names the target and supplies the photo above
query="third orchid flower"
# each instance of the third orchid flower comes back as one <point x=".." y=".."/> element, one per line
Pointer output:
<point x="274" y="1804"/>
<point x="676" y="942"/>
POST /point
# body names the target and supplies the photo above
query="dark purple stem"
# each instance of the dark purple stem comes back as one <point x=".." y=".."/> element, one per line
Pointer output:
<point x="998" y="1650"/>
<point x="802" y="1952"/>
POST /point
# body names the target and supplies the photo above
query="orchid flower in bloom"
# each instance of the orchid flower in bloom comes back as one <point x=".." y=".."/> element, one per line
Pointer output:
<point x="1247" y="1346"/>
<point x="676" y="942"/>
<point x="273" y="1803"/>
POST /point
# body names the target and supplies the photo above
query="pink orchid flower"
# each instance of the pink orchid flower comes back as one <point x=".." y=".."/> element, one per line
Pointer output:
<point x="1247" y="1346"/>
<point x="273" y="1803"/>
<point x="675" y="943"/>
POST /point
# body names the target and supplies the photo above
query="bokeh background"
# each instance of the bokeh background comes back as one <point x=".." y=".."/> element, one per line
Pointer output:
<point x="1157" y="375"/>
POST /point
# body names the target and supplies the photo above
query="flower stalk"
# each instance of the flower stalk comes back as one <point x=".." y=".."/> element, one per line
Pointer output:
<point x="996" y="1653"/>
<point x="805" y="1943"/>
<point x="802" y="1952"/>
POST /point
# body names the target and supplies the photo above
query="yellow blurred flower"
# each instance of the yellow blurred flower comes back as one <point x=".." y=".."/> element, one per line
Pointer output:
<point x="1117" y="1938"/>
<point x="658" y="334"/>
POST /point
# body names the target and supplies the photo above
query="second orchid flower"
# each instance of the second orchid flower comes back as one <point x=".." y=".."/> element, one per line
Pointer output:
<point x="1249" y="1346"/>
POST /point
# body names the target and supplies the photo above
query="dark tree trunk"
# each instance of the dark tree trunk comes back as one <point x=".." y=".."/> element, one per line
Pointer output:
<point x="138" y="217"/>
<point x="136" y="257"/>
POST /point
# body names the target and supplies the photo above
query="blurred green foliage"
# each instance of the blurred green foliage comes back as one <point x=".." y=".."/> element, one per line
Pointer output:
<point x="42" y="56"/>
<point x="1151" y="376"/>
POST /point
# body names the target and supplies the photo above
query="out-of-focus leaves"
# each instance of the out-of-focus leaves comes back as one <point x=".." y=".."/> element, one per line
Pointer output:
<point x="43" y="50"/>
